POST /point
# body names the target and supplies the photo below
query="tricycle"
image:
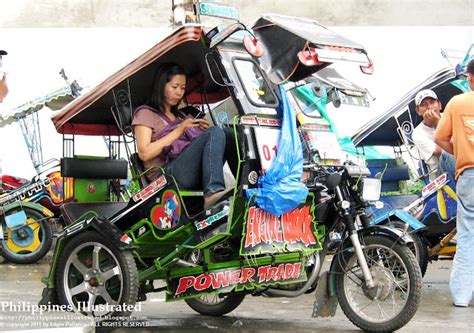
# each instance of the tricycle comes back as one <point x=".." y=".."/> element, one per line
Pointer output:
<point x="428" y="211"/>
<point x="110" y="254"/>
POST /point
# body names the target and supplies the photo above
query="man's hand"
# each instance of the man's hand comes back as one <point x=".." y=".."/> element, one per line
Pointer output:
<point x="3" y="87"/>
<point x="431" y="118"/>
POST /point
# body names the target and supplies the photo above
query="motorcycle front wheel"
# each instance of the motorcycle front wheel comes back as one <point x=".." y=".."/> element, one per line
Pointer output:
<point x="394" y="299"/>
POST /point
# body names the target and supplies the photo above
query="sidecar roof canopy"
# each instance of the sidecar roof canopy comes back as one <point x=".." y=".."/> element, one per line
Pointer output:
<point x="90" y="114"/>
<point x="288" y="40"/>
<point x="383" y="130"/>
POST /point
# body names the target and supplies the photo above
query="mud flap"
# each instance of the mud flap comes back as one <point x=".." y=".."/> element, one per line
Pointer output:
<point x="326" y="302"/>
<point x="48" y="297"/>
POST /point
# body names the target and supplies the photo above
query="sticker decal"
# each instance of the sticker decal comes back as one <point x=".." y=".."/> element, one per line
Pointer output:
<point x="267" y="233"/>
<point x="153" y="187"/>
<point x="211" y="220"/>
<point x="166" y="214"/>
<point x="236" y="278"/>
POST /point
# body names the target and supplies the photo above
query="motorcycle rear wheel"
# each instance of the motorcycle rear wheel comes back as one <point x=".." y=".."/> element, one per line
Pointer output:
<point x="395" y="298"/>
<point x="28" y="243"/>
<point x="216" y="305"/>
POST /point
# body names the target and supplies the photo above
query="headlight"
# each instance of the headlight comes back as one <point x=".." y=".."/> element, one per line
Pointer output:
<point x="371" y="189"/>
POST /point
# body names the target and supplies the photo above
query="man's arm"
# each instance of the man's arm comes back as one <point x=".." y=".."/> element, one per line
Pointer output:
<point x="3" y="88"/>
<point x="444" y="130"/>
<point x="445" y="145"/>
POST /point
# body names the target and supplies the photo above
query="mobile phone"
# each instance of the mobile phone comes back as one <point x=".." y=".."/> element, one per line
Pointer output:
<point x="200" y="114"/>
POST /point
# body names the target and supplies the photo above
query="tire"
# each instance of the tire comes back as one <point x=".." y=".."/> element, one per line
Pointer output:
<point x="397" y="294"/>
<point x="29" y="243"/>
<point x="213" y="304"/>
<point x="419" y="246"/>
<point x="216" y="304"/>
<point x="113" y="279"/>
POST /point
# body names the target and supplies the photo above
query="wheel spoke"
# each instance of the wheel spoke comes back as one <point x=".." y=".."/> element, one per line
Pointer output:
<point x="79" y="266"/>
<point x="110" y="273"/>
<point x="95" y="257"/>
<point x="106" y="296"/>
<point x="80" y="288"/>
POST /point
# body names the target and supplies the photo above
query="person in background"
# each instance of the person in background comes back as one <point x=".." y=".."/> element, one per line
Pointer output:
<point x="438" y="160"/>
<point x="3" y="79"/>
<point x="188" y="148"/>
<point x="455" y="134"/>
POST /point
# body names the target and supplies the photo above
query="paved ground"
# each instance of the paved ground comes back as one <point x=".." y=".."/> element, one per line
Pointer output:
<point x="256" y="314"/>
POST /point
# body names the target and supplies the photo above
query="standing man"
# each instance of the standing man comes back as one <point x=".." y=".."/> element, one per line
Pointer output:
<point x="429" y="108"/>
<point x="3" y="79"/>
<point x="455" y="134"/>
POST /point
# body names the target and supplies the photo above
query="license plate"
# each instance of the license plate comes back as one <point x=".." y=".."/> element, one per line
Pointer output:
<point x="16" y="219"/>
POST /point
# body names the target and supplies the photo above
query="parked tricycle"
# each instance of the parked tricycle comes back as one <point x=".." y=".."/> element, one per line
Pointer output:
<point x="111" y="253"/>
<point x="428" y="211"/>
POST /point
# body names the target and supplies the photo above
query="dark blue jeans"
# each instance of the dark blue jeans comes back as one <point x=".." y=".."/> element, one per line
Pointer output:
<point x="199" y="166"/>
<point x="447" y="163"/>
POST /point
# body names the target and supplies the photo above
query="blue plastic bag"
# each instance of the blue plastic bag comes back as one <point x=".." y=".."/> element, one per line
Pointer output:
<point x="280" y="190"/>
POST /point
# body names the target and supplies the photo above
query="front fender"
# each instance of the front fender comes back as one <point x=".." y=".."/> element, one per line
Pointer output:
<point x="31" y="205"/>
<point x="409" y="219"/>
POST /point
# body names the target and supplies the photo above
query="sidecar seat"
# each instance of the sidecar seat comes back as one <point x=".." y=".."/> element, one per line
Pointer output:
<point x="91" y="187"/>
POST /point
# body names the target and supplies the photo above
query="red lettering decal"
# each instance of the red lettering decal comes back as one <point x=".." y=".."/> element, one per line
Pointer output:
<point x="297" y="271"/>
<point x="247" y="275"/>
<point x="220" y="280"/>
<point x="262" y="273"/>
<point x="306" y="221"/>
<point x="289" y="269"/>
<point x="271" y="273"/>
<point x="184" y="284"/>
<point x="250" y="237"/>
<point x="275" y="231"/>
<point x="235" y="277"/>
<point x="202" y="282"/>
<point x="288" y="221"/>
<point x="279" y="274"/>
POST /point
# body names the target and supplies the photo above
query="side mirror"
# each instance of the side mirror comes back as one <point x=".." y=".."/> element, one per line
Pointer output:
<point x="336" y="98"/>
<point x="318" y="89"/>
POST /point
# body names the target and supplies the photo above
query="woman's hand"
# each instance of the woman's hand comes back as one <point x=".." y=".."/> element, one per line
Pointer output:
<point x="189" y="122"/>
<point x="203" y="124"/>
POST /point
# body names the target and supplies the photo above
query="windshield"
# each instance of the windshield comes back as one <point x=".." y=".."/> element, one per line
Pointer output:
<point x="255" y="85"/>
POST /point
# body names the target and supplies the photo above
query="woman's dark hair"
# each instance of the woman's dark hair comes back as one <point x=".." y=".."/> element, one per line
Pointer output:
<point x="163" y="75"/>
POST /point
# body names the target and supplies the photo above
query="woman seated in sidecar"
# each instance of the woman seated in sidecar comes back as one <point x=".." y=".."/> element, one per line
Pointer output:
<point x="188" y="148"/>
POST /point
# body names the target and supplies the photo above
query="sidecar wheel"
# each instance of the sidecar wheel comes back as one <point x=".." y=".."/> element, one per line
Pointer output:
<point x="94" y="277"/>
<point x="216" y="305"/>
<point x="29" y="243"/>
<point x="397" y="292"/>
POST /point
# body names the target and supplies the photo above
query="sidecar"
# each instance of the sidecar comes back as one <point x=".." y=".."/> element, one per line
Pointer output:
<point x="414" y="200"/>
<point x="110" y="253"/>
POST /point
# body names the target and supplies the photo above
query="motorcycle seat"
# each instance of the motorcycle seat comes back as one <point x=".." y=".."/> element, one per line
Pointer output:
<point x="75" y="211"/>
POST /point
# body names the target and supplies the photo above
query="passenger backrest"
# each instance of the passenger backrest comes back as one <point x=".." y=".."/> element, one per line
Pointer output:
<point x="91" y="176"/>
<point x="392" y="173"/>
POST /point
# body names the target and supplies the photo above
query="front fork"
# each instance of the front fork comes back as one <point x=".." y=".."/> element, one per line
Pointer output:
<point x="344" y="206"/>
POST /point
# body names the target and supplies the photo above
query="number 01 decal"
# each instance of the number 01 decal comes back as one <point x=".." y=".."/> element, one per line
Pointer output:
<point x="267" y="142"/>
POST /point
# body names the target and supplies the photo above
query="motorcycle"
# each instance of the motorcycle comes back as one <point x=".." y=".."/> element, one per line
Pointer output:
<point x="109" y="255"/>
